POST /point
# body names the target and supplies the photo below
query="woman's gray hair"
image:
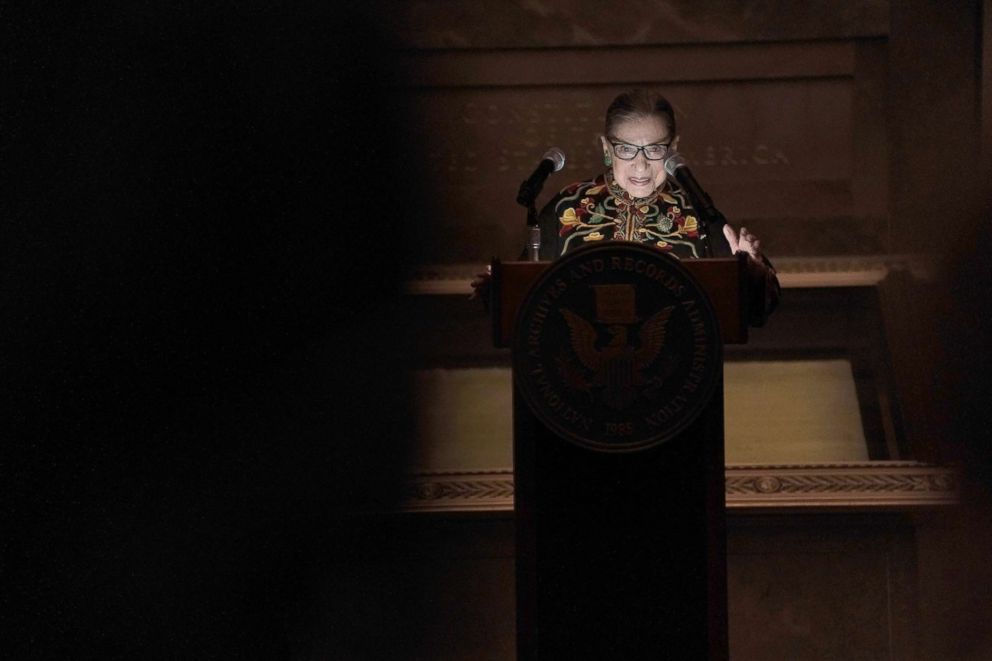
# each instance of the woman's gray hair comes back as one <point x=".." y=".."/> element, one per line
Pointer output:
<point x="637" y="103"/>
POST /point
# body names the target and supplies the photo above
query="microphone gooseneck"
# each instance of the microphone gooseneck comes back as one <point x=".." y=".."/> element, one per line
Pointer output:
<point x="552" y="161"/>
<point x="678" y="168"/>
<point x="713" y="221"/>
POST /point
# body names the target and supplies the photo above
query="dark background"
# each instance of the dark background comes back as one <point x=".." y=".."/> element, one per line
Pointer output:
<point x="203" y="215"/>
<point x="200" y="250"/>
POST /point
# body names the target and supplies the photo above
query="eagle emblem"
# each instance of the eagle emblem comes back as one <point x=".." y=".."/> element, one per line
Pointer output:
<point x="618" y="366"/>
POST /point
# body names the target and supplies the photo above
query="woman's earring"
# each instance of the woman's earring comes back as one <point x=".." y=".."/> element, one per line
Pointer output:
<point x="607" y="161"/>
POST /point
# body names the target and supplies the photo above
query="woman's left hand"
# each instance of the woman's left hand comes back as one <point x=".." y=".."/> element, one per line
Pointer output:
<point x="764" y="286"/>
<point x="481" y="284"/>
<point x="745" y="241"/>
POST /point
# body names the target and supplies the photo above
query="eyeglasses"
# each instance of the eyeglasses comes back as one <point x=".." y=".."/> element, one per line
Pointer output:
<point x="628" y="152"/>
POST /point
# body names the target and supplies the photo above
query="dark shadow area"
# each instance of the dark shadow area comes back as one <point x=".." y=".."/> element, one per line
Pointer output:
<point x="202" y="360"/>
<point x="954" y="549"/>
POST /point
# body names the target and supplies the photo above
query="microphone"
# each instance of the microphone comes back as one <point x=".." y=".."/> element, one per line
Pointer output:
<point x="677" y="168"/>
<point x="552" y="161"/>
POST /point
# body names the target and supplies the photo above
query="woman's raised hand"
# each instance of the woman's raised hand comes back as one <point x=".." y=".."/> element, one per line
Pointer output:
<point x="481" y="284"/>
<point x="745" y="241"/>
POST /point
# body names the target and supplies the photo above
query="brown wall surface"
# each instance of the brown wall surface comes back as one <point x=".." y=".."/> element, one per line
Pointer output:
<point x="828" y="128"/>
<point x="781" y="111"/>
<point x="813" y="588"/>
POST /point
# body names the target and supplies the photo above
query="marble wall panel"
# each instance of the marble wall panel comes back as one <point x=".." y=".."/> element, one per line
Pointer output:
<point x="821" y="589"/>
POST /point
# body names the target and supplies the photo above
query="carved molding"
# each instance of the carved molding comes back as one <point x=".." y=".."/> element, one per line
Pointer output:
<point x="460" y="491"/>
<point x="676" y="63"/>
<point x="430" y="25"/>
<point x="810" y="487"/>
<point x="869" y="485"/>
<point x="823" y="271"/>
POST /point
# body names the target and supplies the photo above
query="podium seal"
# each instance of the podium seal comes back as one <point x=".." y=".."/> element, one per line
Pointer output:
<point x="617" y="347"/>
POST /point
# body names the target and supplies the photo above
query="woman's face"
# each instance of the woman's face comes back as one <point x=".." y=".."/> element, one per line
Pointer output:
<point x="639" y="176"/>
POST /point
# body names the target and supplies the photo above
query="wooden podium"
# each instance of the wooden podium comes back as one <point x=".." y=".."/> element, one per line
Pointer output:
<point x="621" y="546"/>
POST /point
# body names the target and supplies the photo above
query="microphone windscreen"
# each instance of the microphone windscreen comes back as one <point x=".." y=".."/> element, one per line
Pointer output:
<point x="556" y="156"/>
<point x="673" y="162"/>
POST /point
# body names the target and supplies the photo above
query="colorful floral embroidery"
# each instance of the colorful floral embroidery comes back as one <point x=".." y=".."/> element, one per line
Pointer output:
<point x="691" y="226"/>
<point x="595" y="210"/>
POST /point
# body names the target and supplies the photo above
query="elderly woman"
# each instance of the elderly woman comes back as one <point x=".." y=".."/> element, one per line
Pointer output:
<point x="634" y="199"/>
